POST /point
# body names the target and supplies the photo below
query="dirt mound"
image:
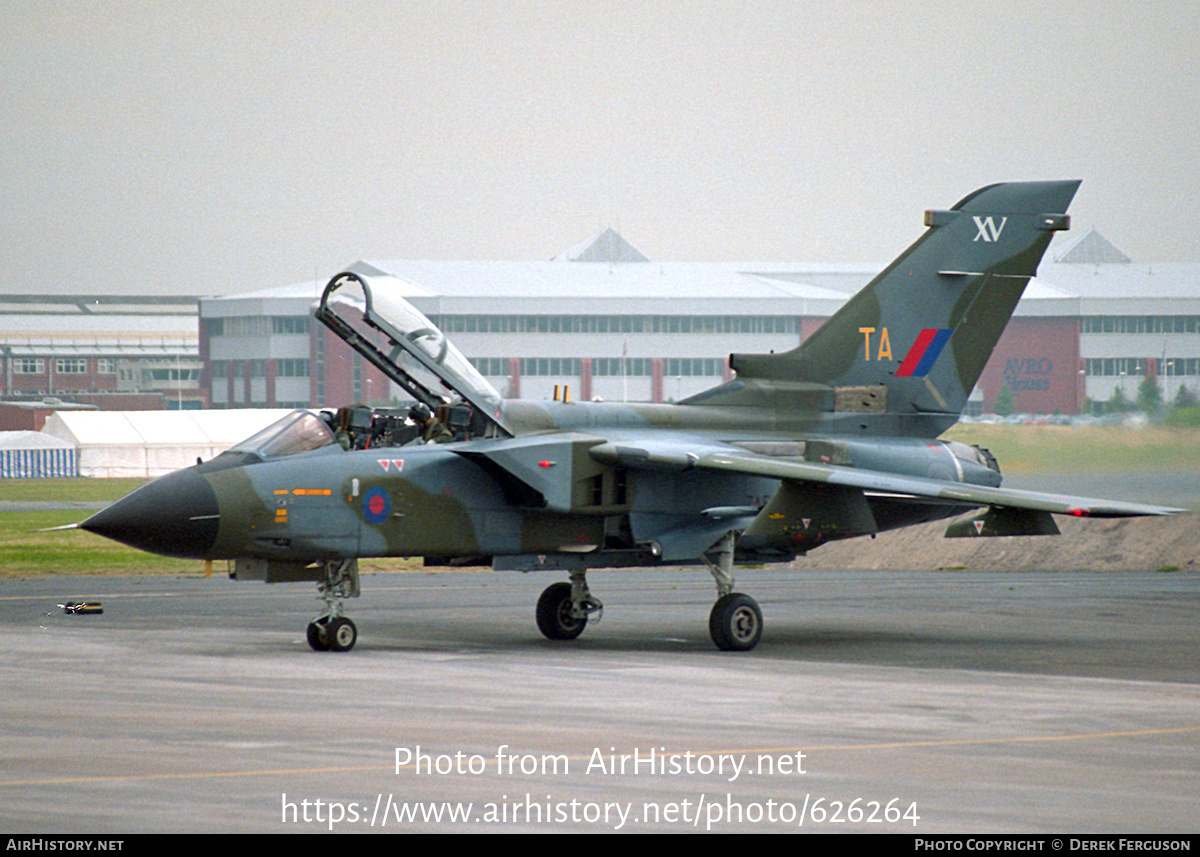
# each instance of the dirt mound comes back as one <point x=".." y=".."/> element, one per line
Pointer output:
<point x="1124" y="544"/>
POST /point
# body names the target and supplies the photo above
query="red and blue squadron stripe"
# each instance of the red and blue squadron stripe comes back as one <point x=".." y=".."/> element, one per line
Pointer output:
<point x="924" y="352"/>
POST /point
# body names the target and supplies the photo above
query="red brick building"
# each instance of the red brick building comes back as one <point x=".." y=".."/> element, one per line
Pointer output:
<point x="115" y="352"/>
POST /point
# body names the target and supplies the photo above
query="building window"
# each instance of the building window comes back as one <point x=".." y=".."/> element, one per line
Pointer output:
<point x="253" y="325"/>
<point x="70" y="366"/>
<point x="106" y="366"/>
<point x="289" y="324"/>
<point x="28" y="366"/>
<point x="694" y="367"/>
<point x="289" y="368"/>
<point x="1140" y="324"/>
<point x="321" y="369"/>
<point x="149" y="375"/>
<point x="1114" y="367"/>
<point x="550" y="367"/>
<point x="1175" y="366"/>
<point x="617" y="366"/>
<point x="707" y="324"/>
<point x="495" y="367"/>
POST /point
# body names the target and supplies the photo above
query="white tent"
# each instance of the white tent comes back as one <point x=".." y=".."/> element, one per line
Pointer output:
<point x="34" y="455"/>
<point x="151" y="443"/>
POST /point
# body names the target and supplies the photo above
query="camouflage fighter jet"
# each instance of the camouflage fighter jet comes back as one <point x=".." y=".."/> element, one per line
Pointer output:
<point x="834" y="439"/>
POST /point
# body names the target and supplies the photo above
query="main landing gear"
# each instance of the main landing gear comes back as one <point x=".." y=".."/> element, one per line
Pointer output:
<point x="735" y="623"/>
<point x="331" y="631"/>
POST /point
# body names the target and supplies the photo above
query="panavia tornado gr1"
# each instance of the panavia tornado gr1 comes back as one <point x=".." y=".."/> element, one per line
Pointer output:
<point x="834" y="439"/>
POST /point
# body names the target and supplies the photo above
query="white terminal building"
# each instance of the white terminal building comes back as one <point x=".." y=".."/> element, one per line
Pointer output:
<point x="613" y="325"/>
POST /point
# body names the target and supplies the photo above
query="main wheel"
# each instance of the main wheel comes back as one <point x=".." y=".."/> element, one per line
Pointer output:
<point x="317" y="638"/>
<point x="341" y="634"/>
<point x="554" y="617"/>
<point x="735" y="623"/>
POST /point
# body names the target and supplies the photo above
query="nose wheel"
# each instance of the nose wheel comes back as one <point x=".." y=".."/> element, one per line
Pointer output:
<point x="563" y="609"/>
<point x="331" y="631"/>
<point x="332" y="634"/>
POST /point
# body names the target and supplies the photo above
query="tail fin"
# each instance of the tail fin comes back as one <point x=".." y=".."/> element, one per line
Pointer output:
<point x="918" y="336"/>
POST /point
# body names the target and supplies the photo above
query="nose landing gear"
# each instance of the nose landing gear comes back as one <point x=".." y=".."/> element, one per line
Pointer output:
<point x="563" y="609"/>
<point x="331" y="631"/>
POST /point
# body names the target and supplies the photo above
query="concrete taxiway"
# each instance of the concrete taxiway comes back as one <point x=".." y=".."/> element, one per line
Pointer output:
<point x="1057" y="703"/>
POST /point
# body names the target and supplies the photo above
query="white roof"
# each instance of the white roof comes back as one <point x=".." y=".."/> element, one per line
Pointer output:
<point x="44" y="347"/>
<point x="1133" y="280"/>
<point x="1090" y="247"/>
<point x="440" y="287"/>
<point x="605" y="246"/>
<point x="31" y="440"/>
<point x="64" y="325"/>
<point x="168" y="428"/>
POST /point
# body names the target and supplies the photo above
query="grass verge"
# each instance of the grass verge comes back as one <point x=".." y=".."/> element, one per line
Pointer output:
<point x="25" y="552"/>
<point x="1066" y="449"/>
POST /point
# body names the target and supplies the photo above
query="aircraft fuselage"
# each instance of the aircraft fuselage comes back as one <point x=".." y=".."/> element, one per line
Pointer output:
<point x="546" y="492"/>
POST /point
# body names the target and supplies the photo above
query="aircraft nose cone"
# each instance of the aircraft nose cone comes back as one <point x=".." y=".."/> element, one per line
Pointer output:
<point x="175" y="515"/>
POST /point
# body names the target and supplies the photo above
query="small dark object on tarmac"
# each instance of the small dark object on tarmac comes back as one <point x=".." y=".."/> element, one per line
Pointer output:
<point x="82" y="607"/>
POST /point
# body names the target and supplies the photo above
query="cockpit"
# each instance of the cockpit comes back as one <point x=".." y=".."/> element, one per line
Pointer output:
<point x="370" y="315"/>
<point x="299" y="431"/>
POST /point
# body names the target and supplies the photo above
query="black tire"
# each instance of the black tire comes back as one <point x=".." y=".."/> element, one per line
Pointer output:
<point x="735" y="623"/>
<point x="554" y="617"/>
<point x="341" y="634"/>
<point x="316" y="637"/>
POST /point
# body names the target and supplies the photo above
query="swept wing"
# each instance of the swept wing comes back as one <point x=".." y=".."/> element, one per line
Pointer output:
<point x="657" y="455"/>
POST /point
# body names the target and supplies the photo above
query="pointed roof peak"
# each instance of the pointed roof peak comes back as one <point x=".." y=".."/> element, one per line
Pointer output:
<point x="1090" y="248"/>
<point x="605" y="246"/>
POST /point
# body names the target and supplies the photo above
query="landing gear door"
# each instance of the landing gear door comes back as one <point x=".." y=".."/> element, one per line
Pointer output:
<point x="372" y="317"/>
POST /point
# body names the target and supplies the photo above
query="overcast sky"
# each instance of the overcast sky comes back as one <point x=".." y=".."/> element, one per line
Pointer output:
<point x="209" y="148"/>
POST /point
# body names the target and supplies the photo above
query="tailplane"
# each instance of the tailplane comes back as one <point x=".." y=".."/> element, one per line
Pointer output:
<point x="915" y="340"/>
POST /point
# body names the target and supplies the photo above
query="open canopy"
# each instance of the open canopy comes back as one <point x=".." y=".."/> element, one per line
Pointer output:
<point x="369" y="314"/>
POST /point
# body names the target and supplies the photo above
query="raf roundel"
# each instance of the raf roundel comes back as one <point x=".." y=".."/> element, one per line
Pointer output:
<point x="376" y="505"/>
